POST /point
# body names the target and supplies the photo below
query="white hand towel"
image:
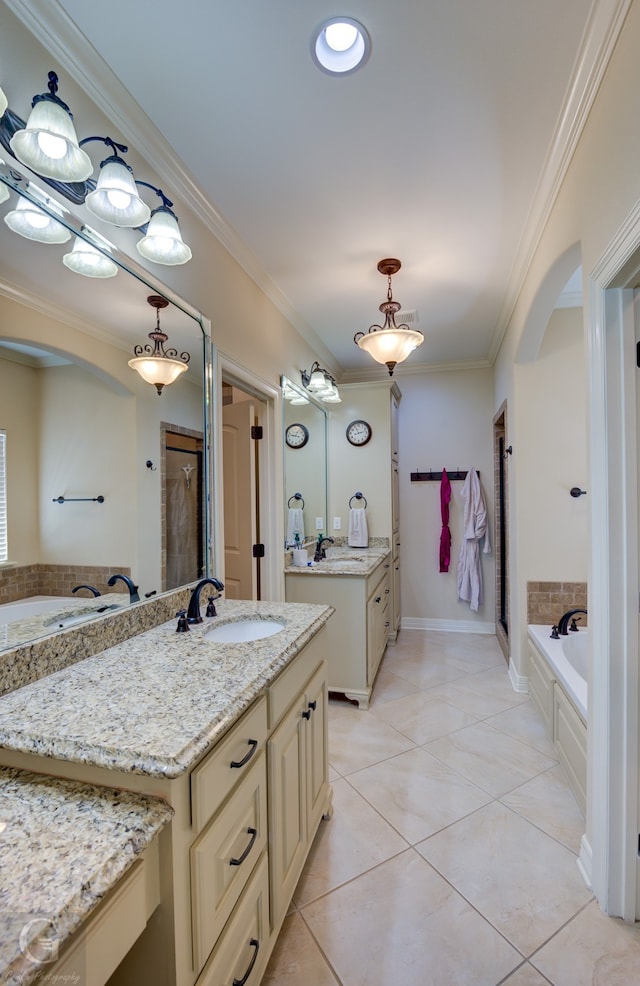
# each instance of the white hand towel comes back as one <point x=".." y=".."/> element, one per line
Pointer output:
<point x="295" y="525"/>
<point x="358" y="530"/>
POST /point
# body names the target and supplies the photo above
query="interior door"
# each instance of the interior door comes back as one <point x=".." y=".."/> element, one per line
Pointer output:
<point x="239" y="485"/>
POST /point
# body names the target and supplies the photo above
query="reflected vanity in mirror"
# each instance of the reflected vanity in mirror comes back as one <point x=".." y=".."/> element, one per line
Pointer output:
<point x="104" y="477"/>
<point x="305" y="464"/>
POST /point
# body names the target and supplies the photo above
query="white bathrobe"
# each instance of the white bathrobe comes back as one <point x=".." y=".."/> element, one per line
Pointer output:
<point x="474" y="527"/>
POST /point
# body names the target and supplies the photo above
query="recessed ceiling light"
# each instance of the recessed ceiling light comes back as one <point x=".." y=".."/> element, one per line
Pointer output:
<point x="340" y="46"/>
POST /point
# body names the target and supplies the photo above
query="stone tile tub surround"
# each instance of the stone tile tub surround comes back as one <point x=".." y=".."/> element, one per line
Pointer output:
<point x="547" y="601"/>
<point x="27" y="663"/>
<point x="63" y="846"/>
<point x="155" y="703"/>
<point x="21" y="581"/>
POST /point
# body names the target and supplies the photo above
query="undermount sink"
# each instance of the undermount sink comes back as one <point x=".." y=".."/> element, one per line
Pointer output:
<point x="243" y="631"/>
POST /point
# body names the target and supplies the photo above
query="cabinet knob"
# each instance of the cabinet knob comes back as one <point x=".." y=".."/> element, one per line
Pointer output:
<point x="306" y="714"/>
<point x="387" y="591"/>
<point x="312" y="705"/>
<point x="377" y="599"/>
<point x="387" y="624"/>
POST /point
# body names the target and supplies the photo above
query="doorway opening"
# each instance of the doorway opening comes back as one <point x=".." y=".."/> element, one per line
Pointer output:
<point x="182" y="477"/>
<point x="501" y="484"/>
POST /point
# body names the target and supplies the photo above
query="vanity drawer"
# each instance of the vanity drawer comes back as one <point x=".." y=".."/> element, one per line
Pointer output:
<point x="224" y="855"/>
<point x="213" y="779"/>
<point x="242" y="951"/>
<point x="290" y="683"/>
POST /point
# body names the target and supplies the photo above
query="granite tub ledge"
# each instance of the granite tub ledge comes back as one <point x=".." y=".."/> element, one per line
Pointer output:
<point x="156" y="703"/>
<point x="63" y="847"/>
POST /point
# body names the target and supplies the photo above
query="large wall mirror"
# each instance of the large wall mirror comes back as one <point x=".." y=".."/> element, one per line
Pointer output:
<point x="305" y="464"/>
<point x="80" y="424"/>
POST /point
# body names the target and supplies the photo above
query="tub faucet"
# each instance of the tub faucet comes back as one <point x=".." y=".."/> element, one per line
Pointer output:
<point x="92" y="589"/>
<point x="133" y="589"/>
<point x="320" y="552"/>
<point x="563" y="622"/>
<point x="193" y="613"/>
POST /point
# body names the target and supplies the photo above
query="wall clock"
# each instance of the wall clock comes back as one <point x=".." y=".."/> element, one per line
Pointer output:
<point x="359" y="432"/>
<point x="296" y="436"/>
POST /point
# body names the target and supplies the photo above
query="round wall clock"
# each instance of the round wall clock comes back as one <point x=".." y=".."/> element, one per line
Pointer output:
<point x="296" y="435"/>
<point x="359" y="432"/>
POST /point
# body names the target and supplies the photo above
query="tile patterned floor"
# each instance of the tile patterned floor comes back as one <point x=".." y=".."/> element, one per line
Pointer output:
<point x="451" y="856"/>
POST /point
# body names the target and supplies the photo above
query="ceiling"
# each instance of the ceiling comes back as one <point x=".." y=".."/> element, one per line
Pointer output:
<point x="438" y="151"/>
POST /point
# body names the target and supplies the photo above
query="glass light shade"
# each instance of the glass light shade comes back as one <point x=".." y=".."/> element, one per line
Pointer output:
<point x="317" y="382"/>
<point x="299" y="399"/>
<point x="87" y="260"/>
<point x="115" y="198"/>
<point x="390" y="346"/>
<point x="163" y="242"/>
<point x="158" y="370"/>
<point x="331" y="395"/>
<point x="3" y="102"/>
<point x="49" y="145"/>
<point x="4" y="192"/>
<point x="30" y="221"/>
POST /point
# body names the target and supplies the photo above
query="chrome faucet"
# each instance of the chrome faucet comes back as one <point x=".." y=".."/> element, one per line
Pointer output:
<point x="320" y="552"/>
<point x="563" y="622"/>
<point x="133" y="589"/>
<point x="193" y="613"/>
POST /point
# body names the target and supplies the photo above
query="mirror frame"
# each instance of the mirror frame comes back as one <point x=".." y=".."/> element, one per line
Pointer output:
<point x="287" y="383"/>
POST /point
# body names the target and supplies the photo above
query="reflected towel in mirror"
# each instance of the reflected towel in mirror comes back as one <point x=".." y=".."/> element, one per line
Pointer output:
<point x="358" y="529"/>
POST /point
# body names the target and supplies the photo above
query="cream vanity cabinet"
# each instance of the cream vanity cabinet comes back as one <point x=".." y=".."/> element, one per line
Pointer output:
<point x="358" y="631"/>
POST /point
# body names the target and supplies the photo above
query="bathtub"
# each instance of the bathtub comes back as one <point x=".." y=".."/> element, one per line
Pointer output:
<point x="567" y="658"/>
<point x="27" y="609"/>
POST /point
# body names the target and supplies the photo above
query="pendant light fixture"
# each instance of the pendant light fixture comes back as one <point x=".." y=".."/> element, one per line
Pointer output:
<point x="115" y="199"/>
<point x="48" y="143"/>
<point x="389" y="343"/>
<point x="33" y="223"/>
<point x="155" y="364"/>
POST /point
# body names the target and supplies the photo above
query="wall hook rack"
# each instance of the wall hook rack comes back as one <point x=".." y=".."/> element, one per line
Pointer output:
<point x="78" y="499"/>
<point x="435" y="475"/>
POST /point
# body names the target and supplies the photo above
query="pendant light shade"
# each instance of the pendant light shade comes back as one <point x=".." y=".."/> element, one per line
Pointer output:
<point x="87" y="260"/>
<point x="3" y="101"/>
<point x="163" y="242"/>
<point x="48" y="143"/>
<point x="31" y="222"/>
<point x="389" y="343"/>
<point x="4" y="193"/>
<point x="155" y="364"/>
<point x="115" y="199"/>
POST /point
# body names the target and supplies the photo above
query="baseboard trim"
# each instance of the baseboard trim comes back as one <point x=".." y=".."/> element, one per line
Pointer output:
<point x="519" y="682"/>
<point x="585" y="862"/>
<point x="447" y="626"/>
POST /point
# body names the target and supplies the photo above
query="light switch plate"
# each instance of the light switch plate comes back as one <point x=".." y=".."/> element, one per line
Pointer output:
<point x="319" y="523"/>
<point x="337" y="523"/>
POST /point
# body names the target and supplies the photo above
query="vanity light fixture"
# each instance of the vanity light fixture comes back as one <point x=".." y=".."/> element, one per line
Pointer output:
<point x="321" y="384"/>
<point x="154" y="363"/>
<point x="30" y="221"/>
<point x="3" y="101"/>
<point x="340" y="46"/>
<point x="115" y="199"/>
<point x="163" y="241"/>
<point x="85" y="258"/>
<point x="389" y="343"/>
<point x="48" y="143"/>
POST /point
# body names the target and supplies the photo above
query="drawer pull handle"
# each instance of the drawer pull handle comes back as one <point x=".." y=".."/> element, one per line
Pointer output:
<point x="236" y="862"/>
<point x="387" y="591"/>
<point x="377" y="599"/>
<point x="240" y="763"/>
<point x="313" y="705"/>
<point x="255" y="944"/>
<point x="387" y="624"/>
<point x="306" y="714"/>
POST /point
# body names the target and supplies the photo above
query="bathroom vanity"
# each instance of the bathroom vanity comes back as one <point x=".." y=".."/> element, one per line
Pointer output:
<point x="225" y="744"/>
<point x="357" y="583"/>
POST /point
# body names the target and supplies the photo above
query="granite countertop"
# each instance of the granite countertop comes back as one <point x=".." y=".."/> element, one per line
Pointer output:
<point x="63" y="846"/>
<point x="155" y="703"/>
<point x="342" y="560"/>
<point x="62" y="613"/>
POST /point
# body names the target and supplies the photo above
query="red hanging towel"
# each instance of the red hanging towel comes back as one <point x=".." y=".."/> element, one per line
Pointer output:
<point x="445" y="535"/>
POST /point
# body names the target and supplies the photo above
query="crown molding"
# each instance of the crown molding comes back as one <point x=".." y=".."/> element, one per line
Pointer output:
<point x="601" y="34"/>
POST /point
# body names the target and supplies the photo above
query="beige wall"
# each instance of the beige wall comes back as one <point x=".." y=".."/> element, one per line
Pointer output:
<point x="598" y="194"/>
<point x="445" y="421"/>
<point x="19" y="415"/>
<point x="551" y="454"/>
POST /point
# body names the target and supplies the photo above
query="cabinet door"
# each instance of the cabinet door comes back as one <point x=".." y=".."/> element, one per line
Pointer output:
<point x="287" y="807"/>
<point x="316" y="747"/>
